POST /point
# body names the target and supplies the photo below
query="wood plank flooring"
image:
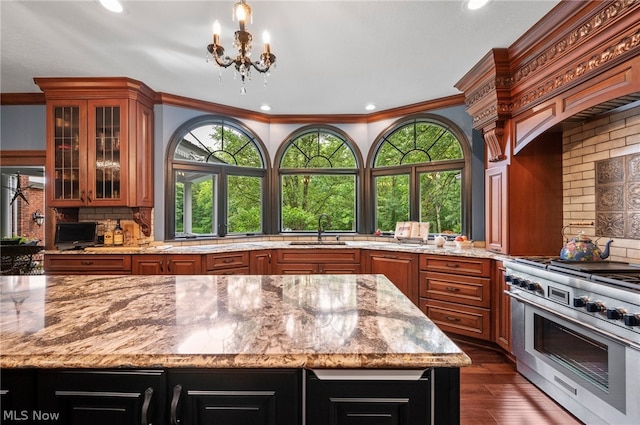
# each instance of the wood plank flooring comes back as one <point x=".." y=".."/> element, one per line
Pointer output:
<point x="492" y="392"/>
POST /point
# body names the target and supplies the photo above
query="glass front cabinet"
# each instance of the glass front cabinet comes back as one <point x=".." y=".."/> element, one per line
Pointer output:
<point x="99" y="148"/>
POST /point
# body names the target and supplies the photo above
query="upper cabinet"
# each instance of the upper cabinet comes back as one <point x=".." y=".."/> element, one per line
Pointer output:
<point x="99" y="142"/>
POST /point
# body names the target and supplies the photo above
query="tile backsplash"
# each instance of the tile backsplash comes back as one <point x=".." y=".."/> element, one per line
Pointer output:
<point x="601" y="181"/>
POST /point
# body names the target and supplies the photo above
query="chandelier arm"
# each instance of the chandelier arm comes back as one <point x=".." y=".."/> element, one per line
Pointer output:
<point x="224" y="62"/>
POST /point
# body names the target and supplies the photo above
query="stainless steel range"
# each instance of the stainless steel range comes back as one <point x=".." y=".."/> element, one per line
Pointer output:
<point x="576" y="334"/>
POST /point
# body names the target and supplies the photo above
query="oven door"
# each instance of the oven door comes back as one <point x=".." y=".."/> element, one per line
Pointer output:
<point x="587" y="372"/>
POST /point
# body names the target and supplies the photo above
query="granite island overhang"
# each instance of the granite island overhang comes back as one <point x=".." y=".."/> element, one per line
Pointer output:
<point x="360" y="323"/>
<point x="310" y="321"/>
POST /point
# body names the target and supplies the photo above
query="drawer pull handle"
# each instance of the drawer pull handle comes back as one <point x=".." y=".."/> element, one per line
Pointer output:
<point x="169" y="266"/>
<point x="177" y="390"/>
<point x="228" y="260"/>
<point x="86" y="263"/>
<point x="148" y="393"/>
<point x="452" y="289"/>
<point x="453" y="319"/>
<point x="453" y="265"/>
<point x="161" y="267"/>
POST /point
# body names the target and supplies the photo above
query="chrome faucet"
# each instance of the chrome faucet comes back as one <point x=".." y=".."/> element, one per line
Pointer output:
<point x="320" y="228"/>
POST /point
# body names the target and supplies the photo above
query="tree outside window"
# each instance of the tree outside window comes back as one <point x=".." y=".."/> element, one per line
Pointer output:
<point x="418" y="175"/>
<point x="319" y="174"/>
<point x="218" y="178"/>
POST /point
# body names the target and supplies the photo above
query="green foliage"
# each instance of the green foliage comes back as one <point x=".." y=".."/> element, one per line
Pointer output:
<point x="244" y="208"/>
<point x="440" y="200"/>
<point x="392" y="201"/>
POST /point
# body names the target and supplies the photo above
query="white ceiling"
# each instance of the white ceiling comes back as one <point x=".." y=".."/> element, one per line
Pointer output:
<point x="333" y="57"/>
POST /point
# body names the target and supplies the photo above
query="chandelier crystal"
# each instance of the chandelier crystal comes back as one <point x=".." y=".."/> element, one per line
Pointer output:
<point x="242" y="42"/>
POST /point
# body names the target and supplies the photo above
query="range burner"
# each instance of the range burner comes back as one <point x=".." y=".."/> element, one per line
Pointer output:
<point x="609" y="272"/>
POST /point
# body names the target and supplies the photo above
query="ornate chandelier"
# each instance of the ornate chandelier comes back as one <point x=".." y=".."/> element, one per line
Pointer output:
<point x="242" y="41"/>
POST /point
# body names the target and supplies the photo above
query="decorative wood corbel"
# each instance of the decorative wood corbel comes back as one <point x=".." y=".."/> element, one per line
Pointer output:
<point x="142" y="216"/>
<point x="495" y="141"/>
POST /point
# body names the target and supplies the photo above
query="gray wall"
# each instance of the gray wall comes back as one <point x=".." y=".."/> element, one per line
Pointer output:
<point x="23" y="127"/>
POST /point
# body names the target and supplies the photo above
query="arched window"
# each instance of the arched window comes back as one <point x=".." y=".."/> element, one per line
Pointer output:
<point x="217" y="179"/>
<point x="319" y="173"/>
<point x="419" y="171"/>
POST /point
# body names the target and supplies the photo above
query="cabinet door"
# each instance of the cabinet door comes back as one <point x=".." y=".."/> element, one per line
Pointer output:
<point x="257" y="397"/>
<point x="373" y="402"/>
<point x="399" y="268"/>
<point x="501" y="309"/>
<point x="496" y="180"/>
<point x="66" y="153"/>
<point x="103" y="397"/>
<point x="260" y="262"/>
<point x="107" y="162"/>
<point x="17" y="394"/>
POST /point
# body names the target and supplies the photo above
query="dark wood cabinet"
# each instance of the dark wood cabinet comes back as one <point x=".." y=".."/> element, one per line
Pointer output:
<point x="357" y="402"/>
<point x="87" y="264"/>
<point x="17" y="395"/>
<point x="251" y="396"/>
<point x="524" y="200"/>
<point x="166" y="264"/>
<point x="108" y="397"/>
<point x="260" y="262"/>
<point x="401" y="268"/>
<point x="455" y="293"/>
<point x="99" y="142"/>
<point x="317" y="261"/>
<point x="229" y="263"/>
<point x="501" y="308"/>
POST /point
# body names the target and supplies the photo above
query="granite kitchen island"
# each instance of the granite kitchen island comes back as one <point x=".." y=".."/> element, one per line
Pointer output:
<point x="314" y="349"/>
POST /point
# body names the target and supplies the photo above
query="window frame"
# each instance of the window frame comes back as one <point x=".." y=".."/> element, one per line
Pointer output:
<point x="220" y="169"/>
<point x="358" y="171"/>
<point x="414" y="170"/>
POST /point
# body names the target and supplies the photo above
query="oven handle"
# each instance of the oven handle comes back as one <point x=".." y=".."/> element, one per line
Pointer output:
<point x="609" y="335"/>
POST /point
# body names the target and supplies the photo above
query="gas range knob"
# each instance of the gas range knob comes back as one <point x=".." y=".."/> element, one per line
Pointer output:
<point x="507" y="278"/>
<point x="523" y="283"/>
<point x="615" y="313"/>
<point x="580" y="302"/>
<point x="595" y="307"/>
<point x="533" y="286"/>
<point x="631" y="320"/>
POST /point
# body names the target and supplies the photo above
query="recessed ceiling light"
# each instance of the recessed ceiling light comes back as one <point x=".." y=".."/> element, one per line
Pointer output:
<point x="370" y="107"/>
<point x="476" y="4"/>
<point x="265" y="107"/>
<point x="112" y="5"/>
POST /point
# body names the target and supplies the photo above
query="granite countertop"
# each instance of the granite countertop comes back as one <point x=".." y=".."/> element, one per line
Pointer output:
<point x="310" y="321"/>
<point x="228" y="247"/>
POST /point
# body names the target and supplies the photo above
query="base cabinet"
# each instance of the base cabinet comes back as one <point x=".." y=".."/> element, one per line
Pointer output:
<point x="258" y="397"/>
<point x="401" y="268"/>
<point x="102" y="397"/>
<point x="355" y="402"/>
<point x="227" y="396"/>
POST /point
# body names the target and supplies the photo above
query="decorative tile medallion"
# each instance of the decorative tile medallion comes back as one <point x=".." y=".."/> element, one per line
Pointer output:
<point x="618" y="197"/>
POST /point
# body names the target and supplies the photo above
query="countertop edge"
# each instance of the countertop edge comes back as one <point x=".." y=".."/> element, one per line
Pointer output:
<point x="285" y="361"/>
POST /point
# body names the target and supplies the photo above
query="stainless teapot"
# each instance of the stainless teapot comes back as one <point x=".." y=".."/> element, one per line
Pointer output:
<point x="581" y="248"/>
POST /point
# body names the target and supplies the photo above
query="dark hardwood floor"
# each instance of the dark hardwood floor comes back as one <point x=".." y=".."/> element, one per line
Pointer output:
<point x="492" y="392"/>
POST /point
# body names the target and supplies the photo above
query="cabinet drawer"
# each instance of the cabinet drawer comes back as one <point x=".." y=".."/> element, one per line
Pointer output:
<point x="87" y="264"/>
<point x="225" y="261"/>
<point x="474" y="291"/>
<point x="459" y="265"/>
<point x="230" y="271"/>
<point x="318" y="256"/>
<point x="459" y="319"/>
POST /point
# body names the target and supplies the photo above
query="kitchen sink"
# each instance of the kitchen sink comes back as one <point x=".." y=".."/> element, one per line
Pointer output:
<point x="317" y="243"/>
